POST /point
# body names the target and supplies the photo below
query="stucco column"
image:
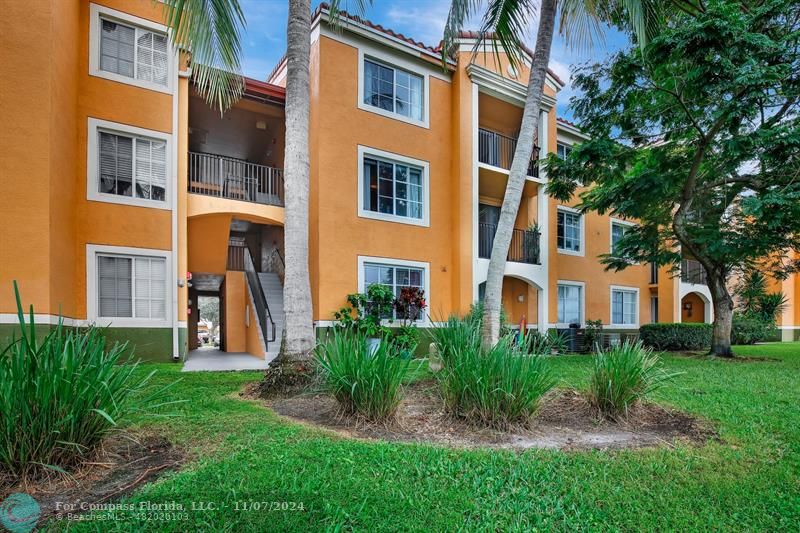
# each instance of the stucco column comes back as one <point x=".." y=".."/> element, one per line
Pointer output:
<point x="543" y="218"/>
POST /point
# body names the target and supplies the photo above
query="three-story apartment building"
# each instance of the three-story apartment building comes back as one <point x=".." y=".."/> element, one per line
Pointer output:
<point x="128" y="198"/>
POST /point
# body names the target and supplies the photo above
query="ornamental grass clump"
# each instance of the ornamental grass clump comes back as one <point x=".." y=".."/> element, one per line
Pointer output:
<point x="623" y="376"/>
<point x="61" y="395"/>
<point x="364" y="382"/>
<point x="498" y="387"/>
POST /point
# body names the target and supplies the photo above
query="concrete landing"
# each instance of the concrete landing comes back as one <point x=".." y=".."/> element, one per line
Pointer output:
<point x="213" y="360"/>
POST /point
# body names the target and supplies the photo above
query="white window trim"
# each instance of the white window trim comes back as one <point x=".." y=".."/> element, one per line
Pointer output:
<point x="572" y="210"/>
<point x="611" y="222"/>
<point x="126" y="322"/>
<point x="375" y="215"/>
<point x="394" y="62"/>
<point x="95" y="13"/>
<point x="623" y="288"/>
<point x="582" y="306"/>
<point x="93" y="170"/>
<point x="425" y="266"/>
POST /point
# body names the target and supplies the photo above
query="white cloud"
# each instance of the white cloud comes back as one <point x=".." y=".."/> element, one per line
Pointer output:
<point x="428" y="21"/>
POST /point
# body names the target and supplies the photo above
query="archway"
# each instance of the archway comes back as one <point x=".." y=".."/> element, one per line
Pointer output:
<point x="695" y="308"/>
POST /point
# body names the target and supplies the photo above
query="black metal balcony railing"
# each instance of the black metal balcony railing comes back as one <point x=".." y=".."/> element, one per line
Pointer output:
<point x="693" y="272"/>
<point x="653" y="273"/>
<point x="497" y="150"/>
<point x="235" y="179"/>
<point x="524" y="246"/>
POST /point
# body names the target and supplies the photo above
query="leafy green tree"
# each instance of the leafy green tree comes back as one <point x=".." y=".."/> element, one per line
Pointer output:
<point x="696" y="136"/>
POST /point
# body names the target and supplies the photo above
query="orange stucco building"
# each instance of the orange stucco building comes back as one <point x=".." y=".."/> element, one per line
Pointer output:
<point x="128" y="198"/>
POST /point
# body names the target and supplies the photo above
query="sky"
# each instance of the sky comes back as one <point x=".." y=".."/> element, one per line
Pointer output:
<point x="264" y="40"/>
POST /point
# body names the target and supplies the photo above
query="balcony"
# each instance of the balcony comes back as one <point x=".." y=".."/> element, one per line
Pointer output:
<point x="524" y="246"/>
<point x="497" y="150"/>
<point x="693" y="272"/>
<point x="235" y="179"/>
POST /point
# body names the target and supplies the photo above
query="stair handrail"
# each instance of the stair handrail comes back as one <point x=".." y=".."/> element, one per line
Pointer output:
<point x="260" y="299"/>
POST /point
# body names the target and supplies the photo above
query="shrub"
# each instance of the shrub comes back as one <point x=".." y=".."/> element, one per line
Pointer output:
<point x="623" y="375"/>
<point x="676" y="336"/>
<point x="496" y="387"/>
<point x="59" y="397"/>
<point x="750" y="329"/>
<point x="546" y="343"/>
<point x="364" y="384"/>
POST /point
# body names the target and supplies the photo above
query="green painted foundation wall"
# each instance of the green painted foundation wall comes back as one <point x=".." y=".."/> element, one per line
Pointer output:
<point x="147" y="344"/>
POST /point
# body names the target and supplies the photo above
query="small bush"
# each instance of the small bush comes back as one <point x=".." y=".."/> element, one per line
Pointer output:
<point x="676" y="336"/>
<point x="623" y="375"/>
<point x="60" y="397"/>
<point x="368" y="385"/>
<point x="496" y="387"/>
<point x="749" y="329"/>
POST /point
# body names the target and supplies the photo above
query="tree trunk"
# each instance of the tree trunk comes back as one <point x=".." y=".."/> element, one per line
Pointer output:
<point x="723" y="315"/>
<point x="518" y="174"/>
<point x="299" y="330"/>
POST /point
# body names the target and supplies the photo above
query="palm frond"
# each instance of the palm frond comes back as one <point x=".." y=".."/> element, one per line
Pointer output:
<point x="334" y="10"/>
<point x="507" y="21"/>
<point x="211" y="31"/>
<point x="580" y="23"/>
<point x="460" y="12"/>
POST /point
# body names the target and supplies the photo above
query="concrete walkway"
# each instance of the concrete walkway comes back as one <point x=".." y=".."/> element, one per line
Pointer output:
<point x="213" y="360"/>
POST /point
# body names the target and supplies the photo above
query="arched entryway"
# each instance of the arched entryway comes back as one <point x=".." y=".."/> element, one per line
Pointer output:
<point x="520" y="299"/>
<point x="695" y="308"/>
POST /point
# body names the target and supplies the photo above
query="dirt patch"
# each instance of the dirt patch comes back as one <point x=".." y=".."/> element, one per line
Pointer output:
<point x="120" y="466"/>
<point x="566" y="421"/>
<point x="734" y="359"/>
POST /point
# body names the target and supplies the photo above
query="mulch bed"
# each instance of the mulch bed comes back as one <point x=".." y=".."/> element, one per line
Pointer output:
<point x="122" y="464"/>
<point x="565" y="421"/>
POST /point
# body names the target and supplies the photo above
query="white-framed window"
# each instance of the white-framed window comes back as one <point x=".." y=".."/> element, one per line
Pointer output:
<point x="130" y="49"/>
<point x="127" y="286"/>
<point x="393" y="188"/>
<point x="128" y="165"/>
<point x="393" y="87"/>
<point x="563" y="150"/>
<point x="624" y="306"/>
<point x="395" y="273"/>
<point x="569" y="231"/>
<point x="570" y="303"/>
<point x="618" y="230"/>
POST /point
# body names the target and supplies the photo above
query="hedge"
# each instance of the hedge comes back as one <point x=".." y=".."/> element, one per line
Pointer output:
<point x="751" y="329"/>
<point x="676" y="336"/>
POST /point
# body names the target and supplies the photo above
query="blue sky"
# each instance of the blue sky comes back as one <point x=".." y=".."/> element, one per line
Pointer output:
<point x="265" y="37"/>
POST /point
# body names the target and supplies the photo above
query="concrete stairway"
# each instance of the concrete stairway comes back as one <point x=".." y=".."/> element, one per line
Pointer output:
<point x="273" y="292"/>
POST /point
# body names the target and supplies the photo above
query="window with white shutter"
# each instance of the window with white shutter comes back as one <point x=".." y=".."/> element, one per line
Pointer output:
<point x="134" y="52"/>
<point x="131" y="286"/>
<point x="132" y="164"/>
<point x="130" y="49"/>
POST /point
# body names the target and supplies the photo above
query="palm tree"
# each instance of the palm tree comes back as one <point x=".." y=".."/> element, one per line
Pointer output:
<point x="299" y="332"/>
<point x="505" y="22"/>
<point x="292" y="364"/>
<point x="210" y="30"/>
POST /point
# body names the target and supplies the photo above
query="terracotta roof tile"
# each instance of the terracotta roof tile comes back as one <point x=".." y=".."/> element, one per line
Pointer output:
<point x="466" y="34"/>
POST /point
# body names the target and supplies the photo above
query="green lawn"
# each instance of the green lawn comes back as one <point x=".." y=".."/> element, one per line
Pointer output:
<point x="246" y="453"/>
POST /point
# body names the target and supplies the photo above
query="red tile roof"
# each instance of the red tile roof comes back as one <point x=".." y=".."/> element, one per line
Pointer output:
<point x="465" y="34"/>
<point x="567" y="122"/>
<point x="262" y="89"/>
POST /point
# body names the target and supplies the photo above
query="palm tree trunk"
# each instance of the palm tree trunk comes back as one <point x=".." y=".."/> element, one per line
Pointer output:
<point x="299" y="330"/>
<point x="518" y="174"/>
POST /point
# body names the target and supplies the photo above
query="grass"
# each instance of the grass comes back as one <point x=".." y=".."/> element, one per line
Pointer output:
<point x="622" y="376"/>
<point x="497" y="387"/>
<point x="244" y="452"/>
<point x="364" y="383"/>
